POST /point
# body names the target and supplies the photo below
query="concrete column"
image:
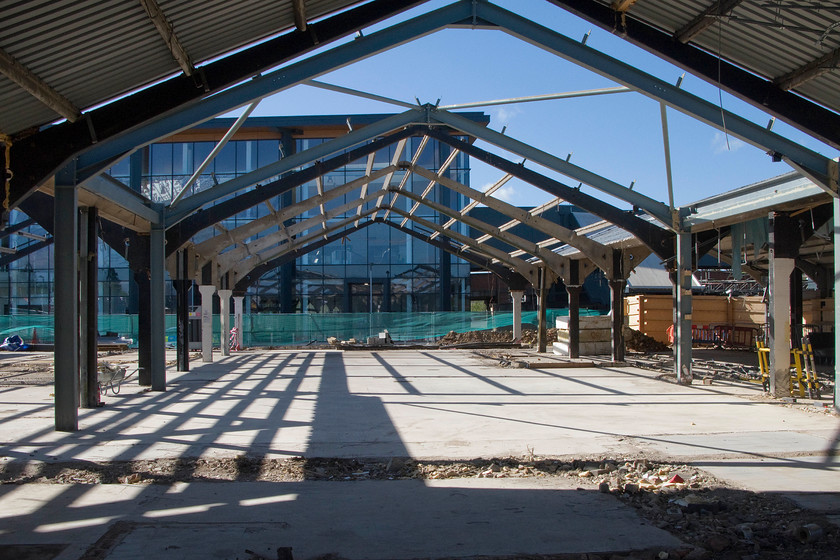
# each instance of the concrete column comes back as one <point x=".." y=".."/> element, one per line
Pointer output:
<point x="207" y="322"/>
<point x="617" y="309"/>
<point x="780" y="269"/>
<point x="224" y="318"/>
<point x="157" y="312"/>
<point x="65" y="265"/>
<point x="784" y="248"/>
<point x="516" y="298"/>
<point x="237" y="320"/>
<point x="683" y="310"/>
<point x="574" y="320"/>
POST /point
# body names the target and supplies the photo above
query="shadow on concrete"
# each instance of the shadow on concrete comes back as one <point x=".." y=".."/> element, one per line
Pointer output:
<point x="239" y="408"/>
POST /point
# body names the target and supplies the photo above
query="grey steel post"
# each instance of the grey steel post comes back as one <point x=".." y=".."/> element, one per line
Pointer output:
<point x="796" y="310"/>
<point x="157" y="318"/>
<point x="573" y="289"/>
<point x="542" y="337"/>
<point x="66" y="352"/>
<point x="182" y="285"/>
<point x="88" y="309"/>
<point x="617" y="301"/>
<point x="683" y="309"/>
<point x="836" y="302"/>
<point x="574" y="320"/>
<point x="144" y="341"/>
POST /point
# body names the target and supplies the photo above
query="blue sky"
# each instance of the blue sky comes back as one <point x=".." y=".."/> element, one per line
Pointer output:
<point x="618" y="136"/>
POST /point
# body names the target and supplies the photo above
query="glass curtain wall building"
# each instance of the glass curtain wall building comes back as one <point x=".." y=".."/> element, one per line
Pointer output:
<point x="378" y="268"/>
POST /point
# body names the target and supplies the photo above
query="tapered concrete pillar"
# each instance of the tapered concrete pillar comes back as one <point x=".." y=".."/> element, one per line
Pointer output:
<point x="237" y="320"/>
<point x="65" y="265"/>
<point x="574" y="320"/>
<point x="516" y="298"/>
<point x="683" y="309"/>
<point x="157" y="278"/>
<point x="784" y="246"/>
<point x="207" y="322"/>
<point x="224" y="318"/>
<point x="779" y="328"/>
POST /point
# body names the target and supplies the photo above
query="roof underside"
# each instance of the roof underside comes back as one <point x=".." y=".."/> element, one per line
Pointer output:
<point x="86" y="52"/>
<point x="91" y="51"/>
<point x="772" y="38"/>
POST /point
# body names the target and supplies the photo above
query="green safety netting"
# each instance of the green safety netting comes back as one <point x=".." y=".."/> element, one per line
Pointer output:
<point x="269" y="329"/>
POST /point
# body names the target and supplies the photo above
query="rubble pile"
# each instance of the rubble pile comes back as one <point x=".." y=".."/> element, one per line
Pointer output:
<point x="640" y="342"/>
<point x="530" y="336"/>
<point x="489" y="336"/>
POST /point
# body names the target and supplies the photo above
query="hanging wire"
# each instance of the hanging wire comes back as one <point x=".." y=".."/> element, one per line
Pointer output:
<point x="720" y="91"/>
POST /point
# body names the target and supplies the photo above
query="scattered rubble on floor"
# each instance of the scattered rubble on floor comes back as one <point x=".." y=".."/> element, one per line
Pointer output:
<point x="715" y="522"/>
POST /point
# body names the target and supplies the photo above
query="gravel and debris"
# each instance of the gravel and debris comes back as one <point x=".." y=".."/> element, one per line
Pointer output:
<point x="715" y="522"/>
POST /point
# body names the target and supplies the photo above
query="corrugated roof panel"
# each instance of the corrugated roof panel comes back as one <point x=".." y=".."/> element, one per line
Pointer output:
<point x="666" y="14"/>
<point x="19" y="109"/>
<point x="90" y="51"/>
<point x="769" y="39"/>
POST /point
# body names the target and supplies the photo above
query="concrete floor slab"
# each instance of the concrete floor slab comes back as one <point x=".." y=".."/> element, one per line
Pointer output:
<point x="368" y="519"/>
<point x="420" y="404"/>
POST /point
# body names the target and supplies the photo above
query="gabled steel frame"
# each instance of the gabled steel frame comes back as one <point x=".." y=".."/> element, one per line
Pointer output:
<point x="488" y="253"/>
<point x="821" y="169"/>
<point x="658" y="239"/>
<point x="208" y="249"/>
<point x="810" y="117"/>
<point x="184" y="230"/>
<point x="41" y="155"/>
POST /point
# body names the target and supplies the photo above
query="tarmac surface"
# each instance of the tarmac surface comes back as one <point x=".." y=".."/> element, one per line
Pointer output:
<point x="423" y="404"/>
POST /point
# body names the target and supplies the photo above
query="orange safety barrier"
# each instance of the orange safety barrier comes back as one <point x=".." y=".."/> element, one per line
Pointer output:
<point x="719" y="335"/>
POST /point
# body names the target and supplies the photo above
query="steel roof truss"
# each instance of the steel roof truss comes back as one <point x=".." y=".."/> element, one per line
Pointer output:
<point x="655" y="88"/>
<point x="215" y="245"/>
<point x="472" y="204"/>
<point x="157" y="127"/>
<point x="593" y="250"/>
<point x="228" y="258"/>
<point x="524" y="268"/>
<point x="242" y="267"/>
<point x="554" y="261"/>
<point x="292" y="161"/>
<point x="655" y="208"/>
<point x="368" y="170"/>
<point x="394" y="160"/>
<point x="385" y="187"/>
<point x="433" y="178"/>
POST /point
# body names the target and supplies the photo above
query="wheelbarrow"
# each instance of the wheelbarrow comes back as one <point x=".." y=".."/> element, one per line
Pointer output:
<point x="111" y="376"/>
